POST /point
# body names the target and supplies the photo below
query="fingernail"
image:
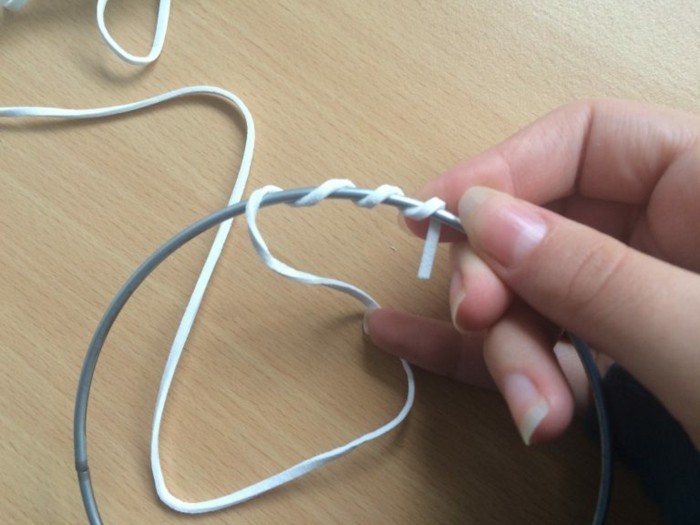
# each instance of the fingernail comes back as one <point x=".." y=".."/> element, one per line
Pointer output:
<point x="365" y="321"/>
<point x="472" y="199"/>
<point x="504" y="227"/>
<point x="528" y="406"/>
<point x="456" y="298"/>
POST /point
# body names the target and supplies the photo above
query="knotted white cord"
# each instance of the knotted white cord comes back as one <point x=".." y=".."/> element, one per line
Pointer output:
<point x="418" y="212"/>
<point x="381" y="194"/>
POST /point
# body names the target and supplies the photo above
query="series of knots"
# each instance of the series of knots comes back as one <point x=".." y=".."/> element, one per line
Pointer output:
<point x="420" y="211"/>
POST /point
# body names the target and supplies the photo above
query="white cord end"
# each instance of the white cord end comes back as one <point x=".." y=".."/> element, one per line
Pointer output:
<point x="13" y="5"/>
<point x="419" y="212"/>
<point x="430" y="247"/>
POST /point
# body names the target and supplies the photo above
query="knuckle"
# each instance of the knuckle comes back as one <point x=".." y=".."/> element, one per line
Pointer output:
<point x="588" y="287"/>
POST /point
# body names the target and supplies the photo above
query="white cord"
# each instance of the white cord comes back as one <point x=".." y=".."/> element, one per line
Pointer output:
<point x="315" y="196"/>
<point x="190" y="313"/>
<point x="381" y="194"/>
<point x="13" y="5"/>
<point x="158" y="36"/>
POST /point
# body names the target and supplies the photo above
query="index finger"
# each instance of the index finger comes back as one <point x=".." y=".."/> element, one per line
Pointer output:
<point x="605" y="149"/>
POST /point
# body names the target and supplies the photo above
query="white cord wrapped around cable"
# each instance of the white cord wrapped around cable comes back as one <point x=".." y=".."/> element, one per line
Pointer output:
<point x="253" y="205"/>
<point x="158" y="35"/>
<point x="312" y="198"/>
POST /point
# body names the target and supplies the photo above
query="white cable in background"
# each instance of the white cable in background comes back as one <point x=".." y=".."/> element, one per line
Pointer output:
<point x="162" y="19"/>
<point x="158" y="35"/>
<point x="13" y="5"/>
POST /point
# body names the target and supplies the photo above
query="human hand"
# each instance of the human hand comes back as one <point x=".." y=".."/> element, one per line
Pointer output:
<point x="612" y="256"/>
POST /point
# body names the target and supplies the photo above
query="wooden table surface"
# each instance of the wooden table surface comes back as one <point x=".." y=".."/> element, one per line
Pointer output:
<point x="378" y="92"/>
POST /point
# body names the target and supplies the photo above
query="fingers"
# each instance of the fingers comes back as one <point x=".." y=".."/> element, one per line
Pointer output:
<point x="518" y="353"/>
<point x="637" y="309"/>
<point x="673" y="215"/>
<point x="603" y="149"/>
<point x="478" y="297"/>
<point x="429" y="344"/>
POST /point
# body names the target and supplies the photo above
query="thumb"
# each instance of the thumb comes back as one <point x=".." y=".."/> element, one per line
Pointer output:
<point x="637" y="309"/>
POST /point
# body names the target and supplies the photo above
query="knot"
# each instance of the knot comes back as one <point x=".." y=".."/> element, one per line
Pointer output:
<point x="420" y="211"/>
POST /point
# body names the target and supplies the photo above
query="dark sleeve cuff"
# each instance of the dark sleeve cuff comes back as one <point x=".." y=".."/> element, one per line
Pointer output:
<point x="654" y="445"/>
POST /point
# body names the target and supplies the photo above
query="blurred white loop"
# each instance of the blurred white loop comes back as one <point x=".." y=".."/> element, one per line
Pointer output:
<point x="13" y="5"/>
<point x="158" y="36"/>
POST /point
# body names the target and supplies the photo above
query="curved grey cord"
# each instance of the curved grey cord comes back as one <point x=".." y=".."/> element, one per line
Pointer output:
<point x="604" y="430"/>
<point x="192" y="231"/>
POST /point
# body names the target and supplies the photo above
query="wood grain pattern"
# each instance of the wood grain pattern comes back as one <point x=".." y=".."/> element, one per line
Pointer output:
<point x="373" y="91"/>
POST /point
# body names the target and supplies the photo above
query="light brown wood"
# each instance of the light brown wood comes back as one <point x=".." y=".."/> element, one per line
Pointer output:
<point x="373" y="91"/>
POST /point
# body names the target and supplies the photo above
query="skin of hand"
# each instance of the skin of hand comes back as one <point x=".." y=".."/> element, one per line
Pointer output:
<point x="587" y="220"/>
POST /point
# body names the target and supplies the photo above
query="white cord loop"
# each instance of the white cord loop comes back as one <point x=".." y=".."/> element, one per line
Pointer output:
<point x="314" y="196"/>
<point x="192" y="308"/>
<point x="158" y="36"/>
<point x="161" y="29"/>
<point x="13" y="5"/>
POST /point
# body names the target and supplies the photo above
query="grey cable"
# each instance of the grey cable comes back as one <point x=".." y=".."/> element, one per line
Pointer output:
<point x="604" y="431"/>
<point x="151" y="263"/>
